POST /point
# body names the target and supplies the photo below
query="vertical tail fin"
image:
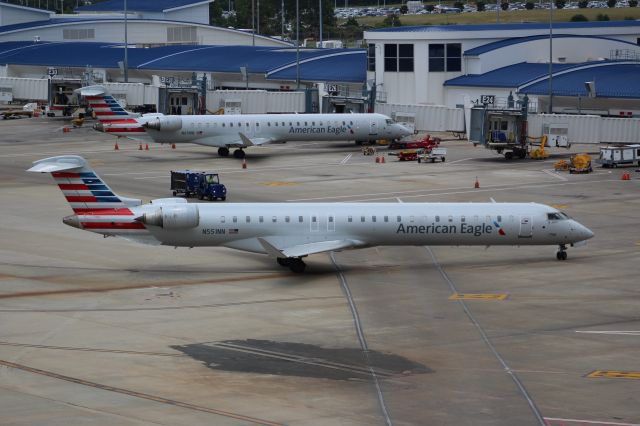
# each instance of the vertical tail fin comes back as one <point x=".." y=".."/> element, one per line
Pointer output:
<point x="85" y="191"/>
<point x="105" y="106"/>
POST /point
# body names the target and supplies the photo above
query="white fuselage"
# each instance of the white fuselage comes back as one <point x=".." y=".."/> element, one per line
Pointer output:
<point x="225" y="130"/>
<point x="370" y="224"/>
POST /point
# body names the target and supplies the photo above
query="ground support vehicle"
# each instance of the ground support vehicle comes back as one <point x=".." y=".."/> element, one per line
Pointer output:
<point x="203" y="185"/>
<point x="427" y="143"/>
<point x="616" y="156"/>
<point x="368" y="150"/>
<point x="580" y="163"/>
<point x="432" y="155"/>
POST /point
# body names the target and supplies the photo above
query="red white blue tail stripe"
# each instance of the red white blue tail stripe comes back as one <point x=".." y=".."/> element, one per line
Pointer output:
<point x="97" y="208"/>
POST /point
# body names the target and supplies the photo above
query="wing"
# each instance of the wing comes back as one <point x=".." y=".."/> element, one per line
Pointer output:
<point x="309" y="248"/>
<point x="255" y="141"/>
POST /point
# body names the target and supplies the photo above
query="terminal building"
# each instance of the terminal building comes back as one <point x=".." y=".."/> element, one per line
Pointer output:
<point x="174" y="59"/>
<point x="456" y="65"/>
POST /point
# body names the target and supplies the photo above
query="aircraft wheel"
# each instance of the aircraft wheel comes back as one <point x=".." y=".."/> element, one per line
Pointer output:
<point x="284" y="261"/>
<point x="561" y="255"/>
<point x="297" y="266"/>
<point x="223" y="152"/>
<point x="508" y="155"/>
<point x="443" y="160"/>
<point x="238" y="153"/>
<point x="223" y="198"/>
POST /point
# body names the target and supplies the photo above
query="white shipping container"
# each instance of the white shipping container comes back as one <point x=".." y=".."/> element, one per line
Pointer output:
<point x="27" y="89"/>
<point x="589" y="128"/>
<point x="434" y="118"/>
<point x="258" y="101"/>
<point x="133" y="93"/>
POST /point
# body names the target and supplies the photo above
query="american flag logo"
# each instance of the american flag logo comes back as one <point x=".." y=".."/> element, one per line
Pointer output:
<point x="233" y="231"/>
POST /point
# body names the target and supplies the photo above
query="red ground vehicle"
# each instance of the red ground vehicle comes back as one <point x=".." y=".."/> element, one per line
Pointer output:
<point x="427" y="143"/>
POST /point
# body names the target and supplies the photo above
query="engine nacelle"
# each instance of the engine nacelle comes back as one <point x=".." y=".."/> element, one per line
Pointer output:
<point x="164" y="123"/>
<point x="177" y="216"/>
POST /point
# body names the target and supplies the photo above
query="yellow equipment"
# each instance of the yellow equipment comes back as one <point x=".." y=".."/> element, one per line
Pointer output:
<point x="580" y="163"/>
<point x="540" y="153"/>
<point x="78" y="122"/>
<point x="561" y="165"/>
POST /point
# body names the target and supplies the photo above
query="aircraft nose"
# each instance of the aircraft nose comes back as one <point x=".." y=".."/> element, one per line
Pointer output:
<point x="583" y="232"/>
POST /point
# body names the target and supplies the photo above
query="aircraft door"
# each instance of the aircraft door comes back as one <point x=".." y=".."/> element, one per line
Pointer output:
<point x="373" y="127"/>
<point x="525" y="227"/>
<point x="331" y="223"/>
<point x="314" y="223"/>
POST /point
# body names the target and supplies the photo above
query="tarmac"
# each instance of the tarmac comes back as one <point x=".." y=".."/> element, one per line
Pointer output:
<point x="103" y="331"/>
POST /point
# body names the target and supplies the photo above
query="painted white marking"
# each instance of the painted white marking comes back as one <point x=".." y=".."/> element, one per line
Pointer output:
<point x="591" y="422"/>
<point x="458" y="161"/>
<point x="555" y="175"/>
<point x="617" y="332"/>
<point x="345" y="159"/>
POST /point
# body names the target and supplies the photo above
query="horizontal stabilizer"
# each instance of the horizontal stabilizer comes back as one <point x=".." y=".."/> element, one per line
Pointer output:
<point x="58" y="164"/>
<point x="299" y="250"/>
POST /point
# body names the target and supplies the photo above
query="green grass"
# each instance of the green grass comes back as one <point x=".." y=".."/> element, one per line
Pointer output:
<point x="536" y="15"/>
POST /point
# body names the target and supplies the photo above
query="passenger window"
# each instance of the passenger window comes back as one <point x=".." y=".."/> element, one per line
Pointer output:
<point x="350" y="219"/>
<point x="437" y="218"/>
<point x="305" y="123"/>
<point x="287" y="219"/>
<point x="386" y="218"/>
<point x="300" y="219"/>
<point x="412" y="219"/>
<point x="313" y="219"/>
<point x="261" y="219"/>
<point x="313" y="123"/>
<point x="499" y="218"/>
<point x="462" y="219"/>
<point x="235" y="219"/>
<point x="274" y="219"/>
<point x="330" y="219"/>
<point x="373" y="218"/>
<point x="361" y="218"/>
<point x="450" y="218"/>
<point x="222" y="219"/>
<point x="399" y="219"/>
<point x="248" y="219"/>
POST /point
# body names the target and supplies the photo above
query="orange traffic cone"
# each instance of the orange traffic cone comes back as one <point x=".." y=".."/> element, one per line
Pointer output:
<point x="477" y="184"/>
<point x="173" y="146"/>
<point x="116" y="147"/>
<point x="626" y="176"/>
<point x="377" y="159"/>
<point x="66" y="129"/>
<point x="382" y="160"/>
<point x="146" y="147"/>
<point x="140" y="147"/>
<point x="244" y="163"/>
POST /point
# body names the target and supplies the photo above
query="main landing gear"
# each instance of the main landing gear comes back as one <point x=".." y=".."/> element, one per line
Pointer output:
<point x="562" y="252"/>
<point x="238" y="153"/>
<point x="294" y="263"/>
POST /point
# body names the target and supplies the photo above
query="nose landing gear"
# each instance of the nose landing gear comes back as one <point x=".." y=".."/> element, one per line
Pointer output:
<point x="562" y="252"/>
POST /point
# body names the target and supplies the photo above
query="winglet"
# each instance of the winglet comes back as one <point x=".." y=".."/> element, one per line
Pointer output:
<point x="269" y="248"/>
<point x="245" y="140"/>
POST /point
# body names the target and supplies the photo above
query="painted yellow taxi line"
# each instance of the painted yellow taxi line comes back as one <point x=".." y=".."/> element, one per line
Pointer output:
<point x="279" y="184"/>
<point x="613" y="374"/>
<point x="478" y="296"/>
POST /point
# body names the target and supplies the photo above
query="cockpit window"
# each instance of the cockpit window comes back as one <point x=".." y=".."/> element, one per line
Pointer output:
<point x="389" y="121"/>
<point x="557" y="216"/>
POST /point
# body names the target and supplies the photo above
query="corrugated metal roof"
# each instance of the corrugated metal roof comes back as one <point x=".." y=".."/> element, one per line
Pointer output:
<point x="508" y="26"/>
<point x="139" y="5"/>
<point x="510" y="76"/>
<point x="340" y="65"/>
<point x="518" y="40"/>
<point x="612" y="79"/>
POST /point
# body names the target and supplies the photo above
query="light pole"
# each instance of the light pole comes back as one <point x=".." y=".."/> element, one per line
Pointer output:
<point x="297" y="44"/>
<point x="253" y="22"/>
<point x="320" y="1"/>
<point x="282" y="16"/>
<point x="550" y="57"/>
<point x="126" y="46"/>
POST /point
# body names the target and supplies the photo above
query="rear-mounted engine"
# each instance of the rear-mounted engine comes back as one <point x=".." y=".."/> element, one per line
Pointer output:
<point x="180" y="216"/>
